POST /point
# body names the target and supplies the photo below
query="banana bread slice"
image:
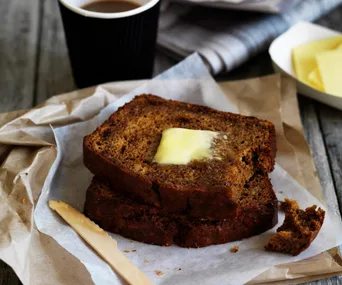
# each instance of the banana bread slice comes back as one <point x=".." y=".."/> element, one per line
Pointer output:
<point x="257" y="212"/>
<point x="123" y="148"/>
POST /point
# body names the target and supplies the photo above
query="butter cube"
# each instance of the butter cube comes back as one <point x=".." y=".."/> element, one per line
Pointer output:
<point x="304" y="56"/>
<point x="315" y="77"/>
<point x="180" y="146"/>
<point x="330" y="67"/>
<point x="316" y="80"/>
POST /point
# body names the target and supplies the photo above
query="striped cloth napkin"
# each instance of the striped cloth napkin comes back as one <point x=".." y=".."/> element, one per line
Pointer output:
<point x="226" y="38"/>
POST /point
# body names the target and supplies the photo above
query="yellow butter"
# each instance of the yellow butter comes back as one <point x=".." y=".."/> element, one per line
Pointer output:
<point x="304" y="56"/>
<point x="180" y="146"/>
<point x="315" y="79"/>
<point x="330" y="68"/>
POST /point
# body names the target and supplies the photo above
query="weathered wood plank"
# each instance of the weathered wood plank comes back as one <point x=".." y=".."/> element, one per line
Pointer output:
<point x="18" y="39"/>
<point x="54" y="71"/>
<point x="331" y="122"/>
<point x="331" y="119"/>
<point x="19" y="30"/>
<point x="314" y="136"/>
<point x="331" y="281"/>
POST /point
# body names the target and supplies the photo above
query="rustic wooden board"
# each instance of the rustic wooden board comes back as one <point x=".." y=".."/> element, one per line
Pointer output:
<point x="330" y="124"/>
<point x="19" y="29"/>
<point x="54" y="71"/>
<point x="330" y="119"/>
<point x="317" y="142"/>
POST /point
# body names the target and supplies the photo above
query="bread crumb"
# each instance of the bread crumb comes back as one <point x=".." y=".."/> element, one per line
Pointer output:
<point x="281" y="192"/>
<point x="159" y="273"/>
<point x="234" y="249"/>
<point x="23" y="201"/>
<point x="289" y="205"/>
<point x="126" y="250"/>
<point x="134" y="250"/>
<point x="131" y="241"/>
<point x="299" y="229"/>
<point x="146" y="261"/>
<point x="177" y="268"/>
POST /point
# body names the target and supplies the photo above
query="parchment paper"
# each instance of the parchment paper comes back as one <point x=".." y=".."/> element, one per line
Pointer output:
<point x="43" y="261"/>
<point x="68" y="180"/>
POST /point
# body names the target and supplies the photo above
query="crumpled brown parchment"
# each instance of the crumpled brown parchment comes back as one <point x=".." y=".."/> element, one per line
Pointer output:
<point x="27" y="152"/>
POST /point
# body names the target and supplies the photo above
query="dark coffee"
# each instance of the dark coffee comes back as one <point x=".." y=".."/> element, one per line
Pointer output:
<point x="111" y="6"/>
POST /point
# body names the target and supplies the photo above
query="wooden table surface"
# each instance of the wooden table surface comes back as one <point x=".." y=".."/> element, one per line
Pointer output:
<point x="34" y="65"/>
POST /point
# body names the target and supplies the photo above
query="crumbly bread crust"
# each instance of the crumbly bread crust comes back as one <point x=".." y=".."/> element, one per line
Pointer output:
<point x="256" y="213"/>
<point x="299" y="229"/>
<point x="122" y="149"/>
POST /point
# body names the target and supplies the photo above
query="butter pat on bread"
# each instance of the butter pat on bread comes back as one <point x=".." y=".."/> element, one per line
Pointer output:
<point x="180" y="146"/>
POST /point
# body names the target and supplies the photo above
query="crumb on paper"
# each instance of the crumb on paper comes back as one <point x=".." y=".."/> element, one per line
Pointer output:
<point x="23" y="201"/>
<point x="146" y="261"/>
<point x="281" y="192"/>
<point x="134" y="250"/>
<point x="126" y="250"/>
<point x="289" y="205"/>
<point x="177" y="268"/>
<point x="159" y="273"/>
<point x="234" y="249"/>
<point x="132" y="241"/>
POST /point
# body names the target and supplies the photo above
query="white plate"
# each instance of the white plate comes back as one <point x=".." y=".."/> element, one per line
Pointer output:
<point x="281" y="55"/>
<point x="267" y="6"/>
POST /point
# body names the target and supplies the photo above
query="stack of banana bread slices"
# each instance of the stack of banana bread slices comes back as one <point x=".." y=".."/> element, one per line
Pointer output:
<point x="200" y="203"/>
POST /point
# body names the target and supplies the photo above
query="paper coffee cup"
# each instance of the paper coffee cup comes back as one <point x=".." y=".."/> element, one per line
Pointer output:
<point x="106" y="47"/>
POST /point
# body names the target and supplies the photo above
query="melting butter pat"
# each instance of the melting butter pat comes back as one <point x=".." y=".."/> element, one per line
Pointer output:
<point x="180" y="146"/>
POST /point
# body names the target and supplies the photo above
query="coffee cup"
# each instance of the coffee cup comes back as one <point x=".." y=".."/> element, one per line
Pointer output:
<point x="110" y="46"/>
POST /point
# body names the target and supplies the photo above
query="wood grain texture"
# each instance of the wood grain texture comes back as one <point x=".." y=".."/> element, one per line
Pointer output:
<point x="331" y="281"/>
<point x="18" y="50"/>
<point x="19" y="26"/>
<point x="331" y="119"/>
<point x="331" y="124"/>
<point x="54" y="71"/>
<point x="314" y="137"/>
